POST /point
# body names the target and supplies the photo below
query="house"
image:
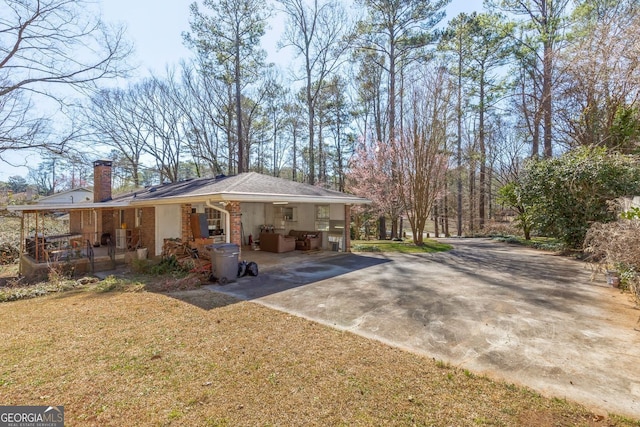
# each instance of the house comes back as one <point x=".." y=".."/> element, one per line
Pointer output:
<point x="75" y="195"/>
<point x="224" y="209"/>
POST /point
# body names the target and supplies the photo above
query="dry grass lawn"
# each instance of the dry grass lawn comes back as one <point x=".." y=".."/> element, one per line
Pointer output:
<point x="197" y="358"/>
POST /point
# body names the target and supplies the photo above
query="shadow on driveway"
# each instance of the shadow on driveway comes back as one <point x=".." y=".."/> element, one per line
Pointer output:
<point x="287" y="276"/>
<point x="514" y="313"/>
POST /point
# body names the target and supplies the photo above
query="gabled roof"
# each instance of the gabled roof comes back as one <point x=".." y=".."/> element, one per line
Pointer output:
<point x="69" y="196"/>
<point x="245" y="187"/>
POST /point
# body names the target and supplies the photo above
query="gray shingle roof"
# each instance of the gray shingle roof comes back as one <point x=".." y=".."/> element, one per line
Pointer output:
<point x="245" y="186"/>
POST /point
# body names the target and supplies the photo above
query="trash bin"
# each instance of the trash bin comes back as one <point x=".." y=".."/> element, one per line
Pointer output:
<point x="224" y="262"/>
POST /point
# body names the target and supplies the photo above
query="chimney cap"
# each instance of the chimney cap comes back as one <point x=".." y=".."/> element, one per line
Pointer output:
<point x="102" y="163"/>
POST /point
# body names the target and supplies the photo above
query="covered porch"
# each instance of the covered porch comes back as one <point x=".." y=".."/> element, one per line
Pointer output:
<point x="305" y="225"/>
<point x="67" y="240"/>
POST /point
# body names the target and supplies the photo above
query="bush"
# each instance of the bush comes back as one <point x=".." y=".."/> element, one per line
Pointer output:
<point x="561" y="197"/>
<point x="170" y="265"/>
<point x="39" y="289"/>
<point x="8" y="253"/>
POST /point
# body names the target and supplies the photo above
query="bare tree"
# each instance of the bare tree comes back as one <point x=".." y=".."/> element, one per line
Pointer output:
<point x="205" y="106"/>
<point x="456" y="42"/>
<point x="115" y="117"/>
<point x="543" y="25"/>
<point x="489" y="50"/>
<point x="163" y="121"/>
<point x="275" y="99"/>
<point x="337" y="112"/>
<point x="293" y="126"/>
<point x="600" y="88"/>
<point x="397" y="32"/>
<point x="420" y="153"/>
<point x="229" y="38"/>
<point x="370" y="89"/>
<point x="316" y="34"/>
<point x="44" y="45"/>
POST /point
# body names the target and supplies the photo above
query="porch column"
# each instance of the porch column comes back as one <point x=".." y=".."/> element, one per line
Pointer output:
<point x="185" y="222"/>
<point x="235" y="234"/>
<point x="347" y="228"/>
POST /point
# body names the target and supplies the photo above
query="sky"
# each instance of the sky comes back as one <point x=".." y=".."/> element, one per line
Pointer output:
<point x="155" y="28"/>
<point x="157" y="31"/>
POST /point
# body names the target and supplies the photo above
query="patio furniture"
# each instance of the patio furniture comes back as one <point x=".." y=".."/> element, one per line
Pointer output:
<point x="274" y="242"/>
<point x="307" y="240"/>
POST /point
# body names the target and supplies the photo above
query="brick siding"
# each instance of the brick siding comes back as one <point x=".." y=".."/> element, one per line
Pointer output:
<point x="185" y="234"/>
<point x="236" y="222"/>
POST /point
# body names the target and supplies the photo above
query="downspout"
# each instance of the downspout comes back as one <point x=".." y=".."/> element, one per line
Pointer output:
<point x="95" y="226"/>
<point x="227" y="220"/>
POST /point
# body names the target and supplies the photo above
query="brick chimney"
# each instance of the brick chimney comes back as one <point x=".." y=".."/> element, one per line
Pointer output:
<point x="101" y="181"/>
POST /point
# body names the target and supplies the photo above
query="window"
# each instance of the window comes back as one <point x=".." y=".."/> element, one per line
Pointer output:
<point x="286" y="213"/>
<point x="322" y="217"/>
<point x="214" y="221"/>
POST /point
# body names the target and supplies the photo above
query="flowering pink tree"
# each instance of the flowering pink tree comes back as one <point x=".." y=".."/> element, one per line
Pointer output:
<point x="408" y="175"/>
<point x="420" y="154"/>
<point x="371" y="176"/>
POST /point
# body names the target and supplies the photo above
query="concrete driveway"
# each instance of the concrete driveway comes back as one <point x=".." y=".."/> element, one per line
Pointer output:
<point x="512" y="313"/>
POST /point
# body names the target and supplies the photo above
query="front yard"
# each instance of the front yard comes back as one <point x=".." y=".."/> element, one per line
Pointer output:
<point x="119" y="357"/>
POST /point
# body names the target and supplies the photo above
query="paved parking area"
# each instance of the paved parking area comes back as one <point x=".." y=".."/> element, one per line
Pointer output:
<point x="513" y="313"/>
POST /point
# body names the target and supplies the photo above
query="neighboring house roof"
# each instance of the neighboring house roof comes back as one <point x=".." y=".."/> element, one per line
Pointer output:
<point x="245" y="187"/>
<point x="75" y="195"/>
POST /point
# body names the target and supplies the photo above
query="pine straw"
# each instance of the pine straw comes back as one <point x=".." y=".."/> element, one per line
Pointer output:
<point x="200" y="358"/>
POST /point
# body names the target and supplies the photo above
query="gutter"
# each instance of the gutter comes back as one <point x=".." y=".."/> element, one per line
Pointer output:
<point x="252" y="197"/>
<point x="65" y="206"/>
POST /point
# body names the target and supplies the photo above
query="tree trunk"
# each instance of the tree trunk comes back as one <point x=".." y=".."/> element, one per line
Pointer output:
<point x="546" y="97"/>
<point x="436" y="218"/>
<point x="392" y="124"/>
<point x="322" y="172"/>
<point x="311" y="110"/>
<point x="459" y="143"/>
<point x="294" y="166"/>
<point x="382" y="230"/>
<point x="472" y="197"/>
<point x="446" y="212"/>
<point x="275" y="148"/>
<point x="241" y="153"/>
<point x="483" y="159"/>
<point x="394" y="227"/>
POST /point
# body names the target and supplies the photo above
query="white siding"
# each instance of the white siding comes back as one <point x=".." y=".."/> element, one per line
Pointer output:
<point x="168" y="224"/>
<point x="71" y="196"/>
